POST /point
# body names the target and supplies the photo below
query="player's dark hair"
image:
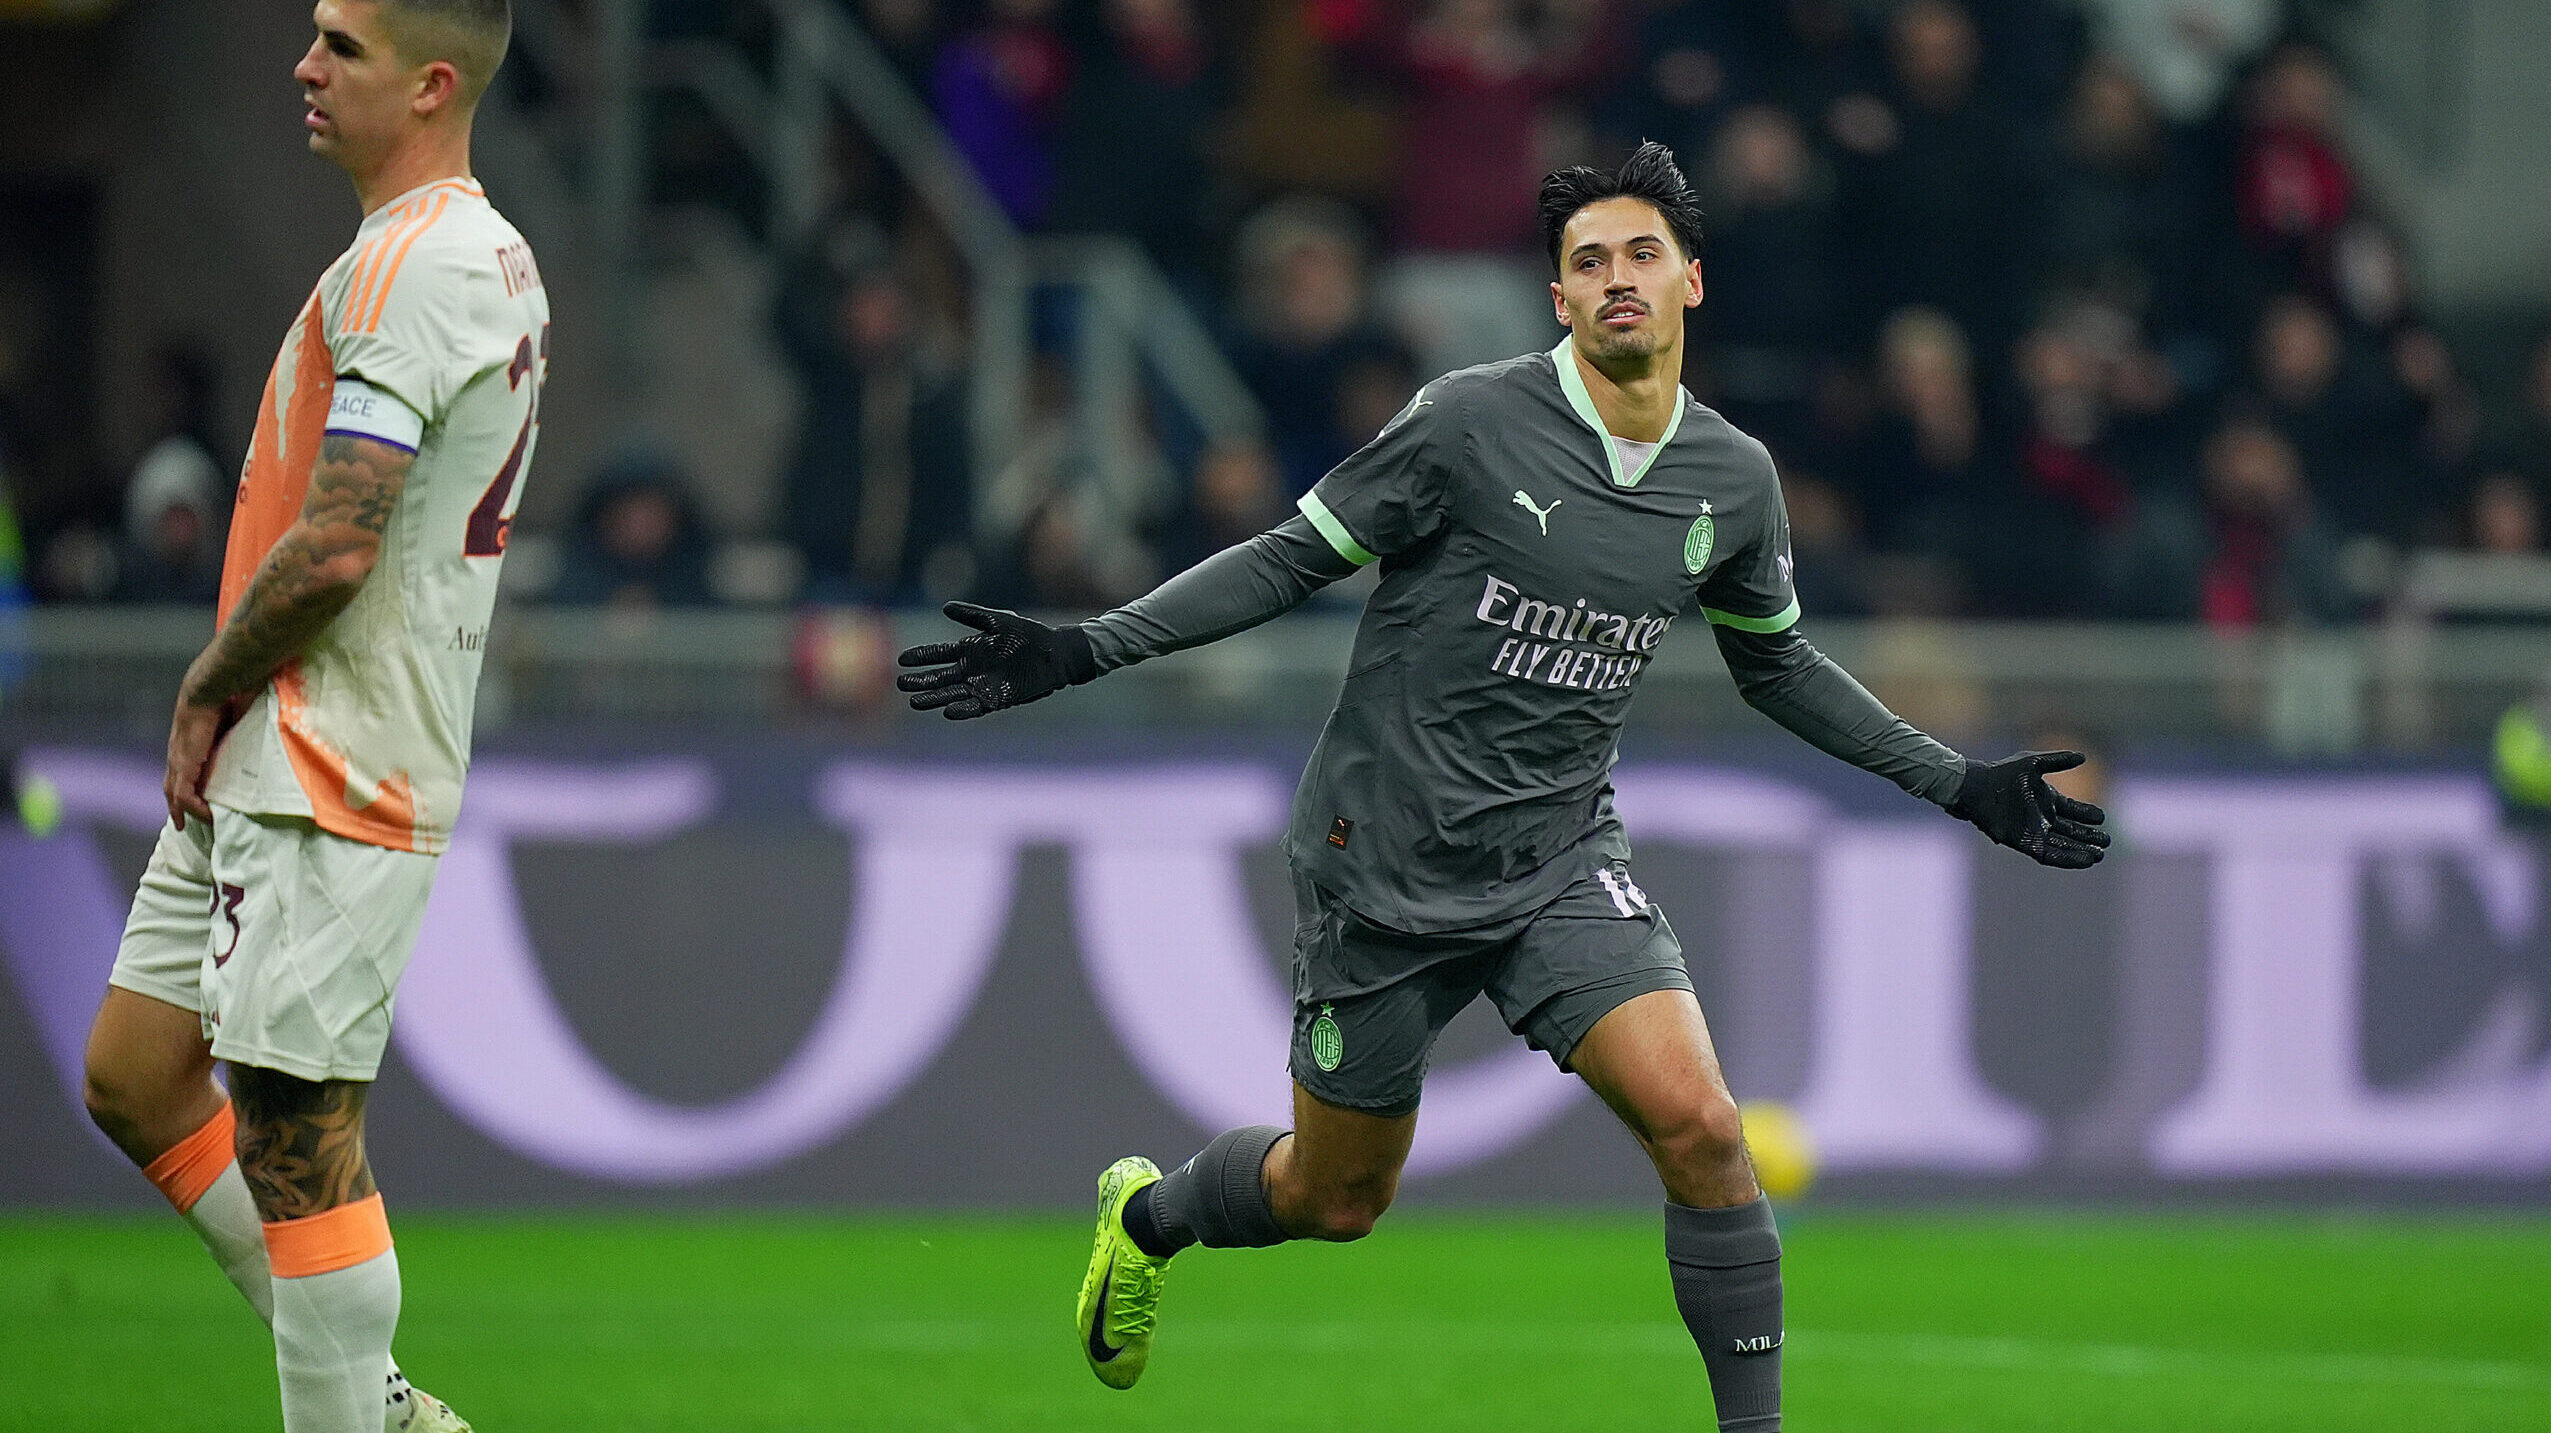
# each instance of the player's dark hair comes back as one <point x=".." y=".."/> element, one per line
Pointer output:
<point x="472" y="34"/>
<point x="484" y="16"/>
<point x="1650" y="173"/>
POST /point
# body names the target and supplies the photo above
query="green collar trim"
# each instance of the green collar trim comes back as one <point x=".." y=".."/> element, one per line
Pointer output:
<point x="1573" y="383"/>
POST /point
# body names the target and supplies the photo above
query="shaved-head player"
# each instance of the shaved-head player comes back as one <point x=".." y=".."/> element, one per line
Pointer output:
<point x="317" y="753"/>
<point x="1540" y="524"/>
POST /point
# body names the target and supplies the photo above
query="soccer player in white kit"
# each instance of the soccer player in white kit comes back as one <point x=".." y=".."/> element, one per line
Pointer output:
<point x="316" y="757"/>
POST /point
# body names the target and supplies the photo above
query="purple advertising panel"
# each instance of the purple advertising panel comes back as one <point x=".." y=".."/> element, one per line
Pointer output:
<point x="975" y="983"/>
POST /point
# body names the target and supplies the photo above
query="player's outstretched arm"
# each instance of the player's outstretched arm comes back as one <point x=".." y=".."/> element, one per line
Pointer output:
<point x="1013" y="660"/>
<point x="309" y="576"/>
<point x="1783" y="676"/>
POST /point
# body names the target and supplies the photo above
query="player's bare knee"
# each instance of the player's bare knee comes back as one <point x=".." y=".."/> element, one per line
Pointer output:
<point x="122" y="1100"/>
<point x="1344" y="1223"/>
<point x="146" y="1105"/>
<point x="1347" y="1213"/>
<point x="109" y="1102"/>
<point x="1703" y="1134"/>
<point x="144" y="1080"/>
<point x="1339" y="1211"/>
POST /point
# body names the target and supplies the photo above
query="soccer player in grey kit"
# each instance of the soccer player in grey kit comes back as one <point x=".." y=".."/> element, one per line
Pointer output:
<point x="1541" y="523"/>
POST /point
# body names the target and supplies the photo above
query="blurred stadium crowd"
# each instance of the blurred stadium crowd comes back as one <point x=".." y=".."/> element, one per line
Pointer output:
<point x="2048" y="308"/>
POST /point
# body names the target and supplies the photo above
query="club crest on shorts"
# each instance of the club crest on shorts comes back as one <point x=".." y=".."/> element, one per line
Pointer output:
<point x="1698" y="542"/>
<point x="1328" y="1042"/>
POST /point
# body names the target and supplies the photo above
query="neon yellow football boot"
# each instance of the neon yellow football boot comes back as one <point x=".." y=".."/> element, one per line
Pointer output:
<point x="1121" y="1292"/>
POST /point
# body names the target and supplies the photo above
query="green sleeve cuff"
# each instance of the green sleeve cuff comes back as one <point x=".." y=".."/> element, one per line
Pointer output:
<point x="1335" y="531"/>
<point x="1780" y="621"/>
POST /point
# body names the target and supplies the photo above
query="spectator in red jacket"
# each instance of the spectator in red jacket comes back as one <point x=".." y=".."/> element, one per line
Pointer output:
<point x="2293" y="184"/>
<point x="1479" y="76"/>
<point x="2270" y="559"/>
<point x="1484" y="80"/>
<point x="2072" y="496"/>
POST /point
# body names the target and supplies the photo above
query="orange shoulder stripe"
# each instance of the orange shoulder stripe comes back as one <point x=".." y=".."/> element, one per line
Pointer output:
<point x="367" y="272"/>
<point x="366" y="268"/>
<point x="369" y="319"/>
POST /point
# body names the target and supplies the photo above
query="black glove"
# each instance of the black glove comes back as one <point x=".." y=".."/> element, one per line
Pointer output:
<point x="1013" y="660"/>
<point x="2010" y="801"/>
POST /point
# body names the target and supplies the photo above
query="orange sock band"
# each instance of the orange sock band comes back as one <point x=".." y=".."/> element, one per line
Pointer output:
<point x="340" y="1238"/>
<point x="190" y="1166"/>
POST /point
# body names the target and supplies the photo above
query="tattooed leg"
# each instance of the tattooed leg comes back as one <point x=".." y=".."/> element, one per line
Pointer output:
<point x="300" y="1142"/>
<point x="336" y="1276"/>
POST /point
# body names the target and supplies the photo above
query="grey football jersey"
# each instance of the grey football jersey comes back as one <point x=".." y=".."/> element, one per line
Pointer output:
<point x="1526" y="584"/>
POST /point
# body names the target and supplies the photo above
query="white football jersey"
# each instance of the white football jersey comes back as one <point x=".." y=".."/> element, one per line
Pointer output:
<point x="438" y="304"/>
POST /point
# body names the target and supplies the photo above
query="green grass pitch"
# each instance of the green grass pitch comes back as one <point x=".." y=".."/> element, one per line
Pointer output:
<point x="1539" y="1324"/>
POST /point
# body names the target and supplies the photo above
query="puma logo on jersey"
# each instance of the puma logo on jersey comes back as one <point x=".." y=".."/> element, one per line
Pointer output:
<point x="1524" y="500"/>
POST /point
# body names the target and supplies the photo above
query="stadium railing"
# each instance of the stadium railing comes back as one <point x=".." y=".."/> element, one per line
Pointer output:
<point x="2408" y="685"/>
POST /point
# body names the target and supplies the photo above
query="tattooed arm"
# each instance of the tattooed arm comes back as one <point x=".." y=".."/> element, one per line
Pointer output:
<point x="308" y="577"/>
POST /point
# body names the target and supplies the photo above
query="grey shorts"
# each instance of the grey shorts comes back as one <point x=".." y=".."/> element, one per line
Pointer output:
<point x="1369" y="1001"/>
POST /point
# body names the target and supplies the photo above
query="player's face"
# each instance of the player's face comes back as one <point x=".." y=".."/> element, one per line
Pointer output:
<point x="357" y="88"/>
<point x="1623" y="285"/>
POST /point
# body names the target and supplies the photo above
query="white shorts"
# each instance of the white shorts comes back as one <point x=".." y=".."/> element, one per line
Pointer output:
<point x="288" y="940"/>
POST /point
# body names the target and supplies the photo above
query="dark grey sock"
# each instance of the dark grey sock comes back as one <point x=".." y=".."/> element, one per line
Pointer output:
<point x="1726" y="1267"/>
<point x="1218" y="1199"/>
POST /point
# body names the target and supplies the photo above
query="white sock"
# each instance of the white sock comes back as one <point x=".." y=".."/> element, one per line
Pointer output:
<point x="332" y="1341"/>
<point x="225" y="1218"/>
<point x="397" y="1408"/>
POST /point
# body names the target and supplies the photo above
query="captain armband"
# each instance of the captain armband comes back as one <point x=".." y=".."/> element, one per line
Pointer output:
<point x="359" y="410"/>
